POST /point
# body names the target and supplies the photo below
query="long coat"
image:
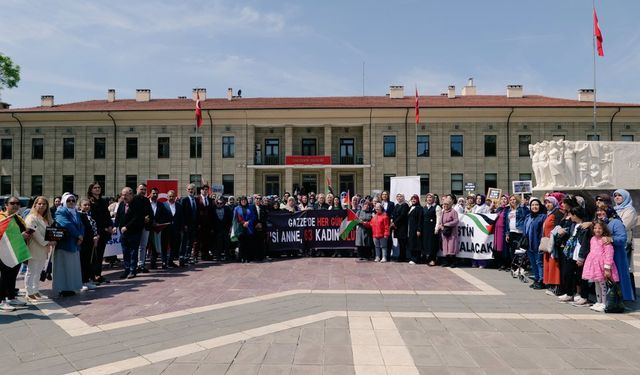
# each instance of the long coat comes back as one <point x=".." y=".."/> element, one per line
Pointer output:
<point x="363" y="234"/>
<point x="450" y="244"/>
<point x="429" y="222"/>
<point x="414" y="225"/>
<point x="399" y="218"/>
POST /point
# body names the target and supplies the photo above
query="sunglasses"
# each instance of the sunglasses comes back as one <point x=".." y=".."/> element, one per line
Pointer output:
<point x="71" y="201"/>
<point x="13" y="203"/>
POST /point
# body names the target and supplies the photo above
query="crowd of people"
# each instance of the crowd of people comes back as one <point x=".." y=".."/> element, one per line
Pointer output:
<point x="574" y="244"/>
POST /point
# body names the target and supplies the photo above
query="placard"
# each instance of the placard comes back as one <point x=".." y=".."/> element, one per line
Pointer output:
<point x="494" y="193"/>
<point x="522" y="187"/>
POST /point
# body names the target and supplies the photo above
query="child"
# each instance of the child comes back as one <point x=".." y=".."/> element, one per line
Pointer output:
<point x="599" y="265"/>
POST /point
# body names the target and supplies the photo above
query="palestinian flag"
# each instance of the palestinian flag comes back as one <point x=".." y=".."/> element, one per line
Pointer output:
<point x="483" y="222"/>
<point x="13" y="249"/>
<point x="348" y="224"/>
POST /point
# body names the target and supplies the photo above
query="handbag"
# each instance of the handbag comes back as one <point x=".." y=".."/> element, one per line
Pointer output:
<point x="614" y="302"/>
<point x="447" y="231"/>
<point x="545" y="245"/>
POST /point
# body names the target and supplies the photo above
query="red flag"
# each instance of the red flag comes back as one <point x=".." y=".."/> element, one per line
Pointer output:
<point x="417" y="108"/>
<point x="198" y="111"/>
<point x="597" y="33"/>
<point x="346" y="200"/>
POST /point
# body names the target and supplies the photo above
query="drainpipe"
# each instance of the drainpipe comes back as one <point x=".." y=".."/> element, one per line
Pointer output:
<point x="611" y="124"/>
<point x="21" y="156"/>
<point x="115" y="154"/>
<point x="211" y="123"/>
<point x="509" y="149"/>
<point x="406" y="143"/>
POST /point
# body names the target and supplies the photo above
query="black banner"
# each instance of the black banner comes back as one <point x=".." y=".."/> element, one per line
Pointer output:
<point x="313" y="229"/>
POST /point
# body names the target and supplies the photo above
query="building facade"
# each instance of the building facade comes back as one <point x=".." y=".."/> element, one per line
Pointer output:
<point x="273" y="145"/>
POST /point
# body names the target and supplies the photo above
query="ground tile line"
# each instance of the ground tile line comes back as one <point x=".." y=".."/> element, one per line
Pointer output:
<point x="360" y="320"/>
<point x="75" y="326"/>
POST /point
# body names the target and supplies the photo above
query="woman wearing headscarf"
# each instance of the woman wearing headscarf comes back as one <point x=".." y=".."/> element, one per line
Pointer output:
<point x="460" y="206"/>
<point x="364" y="241"/>
<point x="533" y="230"/>
<point x="550" y="260"/>
<point x="67" y="274"/>
<point x="481" y="206"/>
<point x="449" y="232"/>
<point x="8" y="296"/>
<point x="38" y="219"/>
<point x="431" y="216"/>
<point x="414" y="227"/>
<point x="627" y="213"/>
<point x="619" y="239"/>
<point x="501" y="255"/>
<point x="243" y="219"/>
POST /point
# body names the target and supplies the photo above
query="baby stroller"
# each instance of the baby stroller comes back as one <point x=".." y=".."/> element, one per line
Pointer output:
<point x="520" y="265"/>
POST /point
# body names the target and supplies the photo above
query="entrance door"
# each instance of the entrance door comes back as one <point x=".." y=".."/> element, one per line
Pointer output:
<point x="310" y="183"/>
<point x="272" y="184"/>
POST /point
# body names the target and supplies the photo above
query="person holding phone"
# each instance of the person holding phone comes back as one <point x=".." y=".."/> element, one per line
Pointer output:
<point x="37" y="221"/>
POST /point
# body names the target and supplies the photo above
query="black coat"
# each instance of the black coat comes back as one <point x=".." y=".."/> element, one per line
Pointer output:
<point x="390" y="207"/>
<point x="162" y="215"/>
<point x="400" y="220"/>
<point x="176" y="220"/>
<point x="133" y="219"/>
<point x="414" y="225"/>
<point x="190" y="217"/>
<point x="100" y="213"/>
<point x="148" y="211"/>
<point x="222" y="226"/>
<point x="429" y="219"/>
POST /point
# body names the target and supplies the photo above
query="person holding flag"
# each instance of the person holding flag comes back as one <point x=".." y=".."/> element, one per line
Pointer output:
<point x="13" y="251"/>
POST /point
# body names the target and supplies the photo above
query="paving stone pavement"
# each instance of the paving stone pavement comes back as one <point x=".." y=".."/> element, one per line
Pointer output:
<point x="341" y="322"/>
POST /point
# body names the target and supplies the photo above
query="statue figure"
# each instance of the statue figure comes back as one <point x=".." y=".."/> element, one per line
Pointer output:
<point x="606" y="166"/>
<point x="535" y="162"/>
<point x="545" y="174"/>
<point x="556" y="165"/>
<point x="569" y="163"/>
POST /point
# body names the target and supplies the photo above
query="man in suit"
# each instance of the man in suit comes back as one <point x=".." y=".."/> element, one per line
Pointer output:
<point x="221" y="220"/>
<point x="190" y="223"/>
<point x="172" y="235"/>
<point x="204" y="204"/>
<point x="161" y="215"/>
<point x="260" y="226"/>
<point x="130" y="222"/>
<point x="399" y="224"/>
<point x="141" y="195"/>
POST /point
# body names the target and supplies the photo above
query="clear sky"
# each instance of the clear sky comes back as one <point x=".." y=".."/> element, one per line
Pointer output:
<point x="76" y="50"/>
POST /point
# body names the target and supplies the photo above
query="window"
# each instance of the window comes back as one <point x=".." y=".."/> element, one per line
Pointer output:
<point x="67" y="183"/>
<point x="626" y="137"/>
<point x="37" y="148"/>
<point x="389" y="146"/>
<point x="490" y="145"/>
<point x="347" y="183"/>
<point x="309" y="146"/>
<point x="523" y="145"/>
<point x="423" y="146"/>
<point x="132" y="149"/>
<point x="228" y="147"/>
<point x="271" y="151"/>
<point x="309" y="183"/>
<point x="524" y="177"/>
<point x="558" y="137"/>
<point x="6" y="147"/>
<point x="272" y="185"/>
<point x="36" y="185"/>
<point x="490" y="181"/>
<point x="347" y="150"/>
<point x="164" y="146"/>
<point x="100" y="179"/>
<point x="5" y="185"/>
<point x="100" y="149"/>
<point x="195" y="147"/>
<point x="386" y="182"/>
<point x="68" y="148"/>
<point x="163" y="177"/>
<point x="457" y="145"/>
<point x="424" y="183"/>
<point x="227" y="182"/>
<point x="457" y="183"/>
<point x="131" y="180"/>
<point x="593" y="137"/>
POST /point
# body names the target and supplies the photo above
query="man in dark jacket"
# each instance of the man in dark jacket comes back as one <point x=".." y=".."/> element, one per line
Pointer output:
<point x="161" y="216"/>
<point x="221" y="219"/>
<point x="172" y="235"/>
<point x="204" y="204"/>
<point x="399" y="225"/>
<point x="190" y="222"/>
<point x="130" y="222"/>
<point x="141" y="195"/>
<point x="260" y="226"/>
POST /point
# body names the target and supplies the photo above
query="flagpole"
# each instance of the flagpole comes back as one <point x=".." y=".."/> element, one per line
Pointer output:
<point x="593" y="37"/>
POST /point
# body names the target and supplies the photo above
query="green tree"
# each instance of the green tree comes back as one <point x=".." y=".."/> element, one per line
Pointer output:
<point x="9" y="73"/>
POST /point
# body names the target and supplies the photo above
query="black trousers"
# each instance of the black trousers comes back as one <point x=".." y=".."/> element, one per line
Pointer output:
<point x="245" y="253"/>
<point x="98" y="255"/>
<point x="402" y="249"/>
<point x="8" y="277"/>
<point x="86" y="267"/>
<point x="571" y="277"/>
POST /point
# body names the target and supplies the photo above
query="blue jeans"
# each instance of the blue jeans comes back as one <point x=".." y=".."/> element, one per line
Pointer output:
<point x="130" y="244"/>
<point x="535" y="259"/>
<point x="381" y="247"/>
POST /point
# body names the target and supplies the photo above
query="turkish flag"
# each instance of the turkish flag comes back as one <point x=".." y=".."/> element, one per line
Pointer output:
<point x="597" y="33"/>
<point x="417" y="108"/>
<point x="198" y="111"/>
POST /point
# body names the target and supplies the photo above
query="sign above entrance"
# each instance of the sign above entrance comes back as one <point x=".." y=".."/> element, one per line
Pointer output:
<point x="307" y="159"/>
<point x="470" y="186"/>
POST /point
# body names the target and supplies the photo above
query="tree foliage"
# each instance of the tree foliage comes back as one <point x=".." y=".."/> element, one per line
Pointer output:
<point x="9" y="73"/>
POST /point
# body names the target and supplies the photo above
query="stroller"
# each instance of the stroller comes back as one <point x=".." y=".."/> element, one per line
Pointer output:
<point x="520" y="265"/>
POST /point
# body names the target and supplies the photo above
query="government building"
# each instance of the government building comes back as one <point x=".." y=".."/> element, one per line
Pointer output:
<point x="273" y="145"/>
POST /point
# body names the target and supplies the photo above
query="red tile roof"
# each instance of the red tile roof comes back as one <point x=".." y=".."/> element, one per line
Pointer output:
<point x="476" y="101"/>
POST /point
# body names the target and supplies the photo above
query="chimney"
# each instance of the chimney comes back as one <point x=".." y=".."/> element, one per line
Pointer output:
<point x="143" y="95"/>
<point x="46" y="101"/>
<point x="396" y="92"/>
<point x="585" y="95"/>
<point x="229" y="93"/>
<point x="469" y="89"/>
<point x="451" y="92"/>
<point x="111" y="95"/>
<point x="514" y="91"/>
<point x="198" y="91"/>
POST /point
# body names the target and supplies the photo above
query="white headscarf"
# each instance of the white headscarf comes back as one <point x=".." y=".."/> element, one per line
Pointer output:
<point x="63" y="205"/>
